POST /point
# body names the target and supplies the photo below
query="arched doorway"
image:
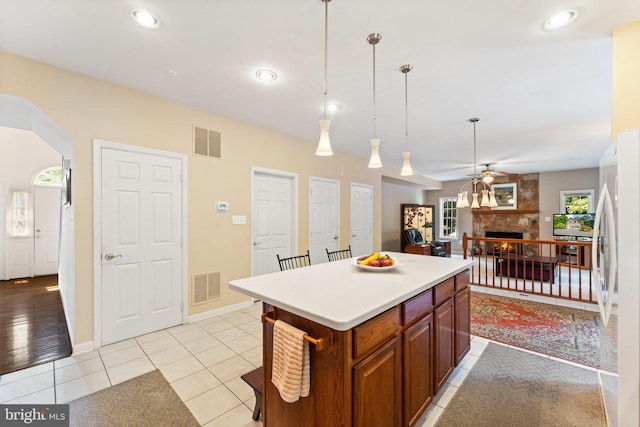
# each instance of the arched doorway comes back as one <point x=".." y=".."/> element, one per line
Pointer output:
<point x="20" y="115"/>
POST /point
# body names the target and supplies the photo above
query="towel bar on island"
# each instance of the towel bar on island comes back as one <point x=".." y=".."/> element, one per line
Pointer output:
<point x="320" y="343"/>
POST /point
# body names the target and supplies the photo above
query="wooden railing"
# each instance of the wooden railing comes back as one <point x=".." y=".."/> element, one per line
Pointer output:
<point x="554" y="268"/>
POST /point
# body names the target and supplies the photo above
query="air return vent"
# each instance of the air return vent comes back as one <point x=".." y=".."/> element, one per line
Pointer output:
<point x="206" y="287"/>
<point x="206" y="142"/>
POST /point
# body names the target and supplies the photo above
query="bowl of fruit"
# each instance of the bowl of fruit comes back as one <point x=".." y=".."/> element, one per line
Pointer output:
<point x="376" y="262"/>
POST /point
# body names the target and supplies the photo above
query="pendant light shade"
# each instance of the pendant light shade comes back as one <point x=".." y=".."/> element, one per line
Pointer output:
<point x="324" y="145"/>
<point x="374" y="161"/>
<point x="406" y="164"/>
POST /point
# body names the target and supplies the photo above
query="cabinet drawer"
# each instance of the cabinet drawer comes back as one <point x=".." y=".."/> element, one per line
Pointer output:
<point x="443" y="291"/>
<point x="370" y="334"/>
<point x="417" y="307"/>
<point x="462" y="280"/>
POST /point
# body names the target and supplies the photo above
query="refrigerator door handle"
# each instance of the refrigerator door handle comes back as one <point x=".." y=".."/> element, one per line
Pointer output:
<point x="605" y="209"/>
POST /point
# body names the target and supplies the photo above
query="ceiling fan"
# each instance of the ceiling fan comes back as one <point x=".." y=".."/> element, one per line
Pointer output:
<point x="488" y="174"/>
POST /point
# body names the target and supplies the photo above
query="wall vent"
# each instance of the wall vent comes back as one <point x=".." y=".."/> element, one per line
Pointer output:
<point x="206" y="142"/>
<point x="206" y="287"/>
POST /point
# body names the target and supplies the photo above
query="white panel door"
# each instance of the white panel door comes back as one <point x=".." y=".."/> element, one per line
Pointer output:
<point x="324" y="218"/>
<point x="141" y="244"/>
<point x="361" y="219"/>
<point x="19" y="255"/>
<point x="271" y="221"/>
<point x="46" y="231"/>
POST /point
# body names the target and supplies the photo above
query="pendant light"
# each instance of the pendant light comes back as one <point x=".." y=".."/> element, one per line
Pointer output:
<point x="324" y="145"/>
<point x="406" y="163"/>
<point x="374" y="161"/>
<point x="488" y="198"/>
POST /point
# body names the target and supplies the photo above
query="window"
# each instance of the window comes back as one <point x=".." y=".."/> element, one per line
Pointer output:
<point x="19" y="214"/>
<point x="448" y="217"/>
<point x="50" y="176"/>
<point x="576" y="201"/>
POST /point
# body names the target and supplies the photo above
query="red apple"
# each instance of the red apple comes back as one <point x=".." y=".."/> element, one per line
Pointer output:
<point x="374" y="263"/>
<point x="386" y="262"/>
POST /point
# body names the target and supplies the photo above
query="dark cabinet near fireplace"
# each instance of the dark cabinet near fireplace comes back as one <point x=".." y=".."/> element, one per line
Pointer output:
<point x="416" y="217"/>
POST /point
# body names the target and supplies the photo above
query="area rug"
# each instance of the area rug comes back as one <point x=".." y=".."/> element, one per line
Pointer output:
<point x="510" y="387"/>
<point x="147" y="400"/>
<point x="563" y="332"/>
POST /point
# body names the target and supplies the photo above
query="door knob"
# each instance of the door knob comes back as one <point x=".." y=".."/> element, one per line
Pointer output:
<point x="110" y="256"/>
<point x="354" y="235"/>
<point x="257" y="243"/>
<point x="335" y="237"/>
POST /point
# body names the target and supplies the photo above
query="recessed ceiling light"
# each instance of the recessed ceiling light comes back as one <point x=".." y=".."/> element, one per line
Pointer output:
<point x="266" y="75"/>
<point x="144" y="18"/>
<point x="560" y="19"/>
<point x="334" y="107"/>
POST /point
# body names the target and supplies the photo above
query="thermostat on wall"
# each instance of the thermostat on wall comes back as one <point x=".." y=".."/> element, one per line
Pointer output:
<point x="222" y="206"/>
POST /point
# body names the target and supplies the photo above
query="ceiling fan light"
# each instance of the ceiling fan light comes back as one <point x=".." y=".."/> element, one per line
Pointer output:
<point x="324" y="145"/>
<point x="374" y="161"/>
<point x="487" y="178"/>
<point x="406" y="164"/>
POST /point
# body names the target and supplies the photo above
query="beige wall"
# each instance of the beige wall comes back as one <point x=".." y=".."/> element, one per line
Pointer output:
<point x="626" y="84"/>
<point x="394" y="194"/>
<point x="88" y="108"/>
<point x="552" y="183"/>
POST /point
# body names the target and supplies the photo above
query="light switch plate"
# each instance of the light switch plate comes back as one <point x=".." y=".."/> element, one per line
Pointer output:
<point x="239" y="219"/>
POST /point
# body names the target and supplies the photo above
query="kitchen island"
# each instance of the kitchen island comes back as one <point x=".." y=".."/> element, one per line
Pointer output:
<point x="384" y="342"/>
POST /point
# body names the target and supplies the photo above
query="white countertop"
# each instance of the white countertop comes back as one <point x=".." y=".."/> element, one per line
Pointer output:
<point x="340" y="295"/>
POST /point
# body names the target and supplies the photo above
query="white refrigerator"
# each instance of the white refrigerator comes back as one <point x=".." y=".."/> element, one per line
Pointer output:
<point x="616" y="269"/>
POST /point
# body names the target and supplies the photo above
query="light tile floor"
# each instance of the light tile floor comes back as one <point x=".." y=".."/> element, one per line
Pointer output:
<point x="202" y="361"/>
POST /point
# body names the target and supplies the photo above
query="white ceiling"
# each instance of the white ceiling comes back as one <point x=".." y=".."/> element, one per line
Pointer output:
<point x="543" y="98"/>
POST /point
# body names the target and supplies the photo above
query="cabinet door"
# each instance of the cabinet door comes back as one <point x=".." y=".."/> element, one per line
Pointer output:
<point x="444" y="344"/>
<point x="463" y="323"/>
<point x="377" y="388"/>
<point x="418" y="381"/>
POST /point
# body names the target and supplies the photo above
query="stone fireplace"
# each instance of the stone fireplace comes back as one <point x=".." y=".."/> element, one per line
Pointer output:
<point x="524" y="220"/>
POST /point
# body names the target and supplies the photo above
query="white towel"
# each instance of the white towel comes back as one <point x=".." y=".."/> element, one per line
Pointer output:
<point x="291" y="364"/>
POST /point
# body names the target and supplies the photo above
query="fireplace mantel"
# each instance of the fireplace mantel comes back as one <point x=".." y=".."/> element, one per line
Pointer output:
<point x="504" y="211"/>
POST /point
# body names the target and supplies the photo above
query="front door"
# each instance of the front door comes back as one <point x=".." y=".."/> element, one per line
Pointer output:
<point x="272" y="220"/>
<point x="46" y="223"/>
<point x="361" y="219"/>
<point x="324" y="218"/>
<point x="141" y="243"/>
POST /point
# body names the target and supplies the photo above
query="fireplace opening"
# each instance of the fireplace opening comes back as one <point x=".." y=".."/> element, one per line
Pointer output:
<point x="496" y="248"/>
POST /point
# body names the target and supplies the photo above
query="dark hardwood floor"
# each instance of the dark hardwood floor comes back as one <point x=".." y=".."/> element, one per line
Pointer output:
<point x="33" y="329"/>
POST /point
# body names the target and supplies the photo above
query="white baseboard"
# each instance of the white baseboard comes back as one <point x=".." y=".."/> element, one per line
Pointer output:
<point x="84" y="347"/>
<point x="219" y="311"/>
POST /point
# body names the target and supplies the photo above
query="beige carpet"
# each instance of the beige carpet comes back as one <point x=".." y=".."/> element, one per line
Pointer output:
<point x="147" y="400"/>
<point x="509" y="387"/>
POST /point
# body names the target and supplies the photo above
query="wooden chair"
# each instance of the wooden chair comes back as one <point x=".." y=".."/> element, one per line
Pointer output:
<point x="339" y="254"/>
<point x="255" y="379"/>
<point x="294" y="261"/>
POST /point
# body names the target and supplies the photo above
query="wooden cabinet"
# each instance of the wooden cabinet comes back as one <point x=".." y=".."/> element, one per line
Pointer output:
<point x="578" y="255"/>
<point x="383" y="372"/>
<point x="444" y="344"/>
<point x="417" y="350"/>
<point x="377" y="388"/>
<point x="462" y="312"/>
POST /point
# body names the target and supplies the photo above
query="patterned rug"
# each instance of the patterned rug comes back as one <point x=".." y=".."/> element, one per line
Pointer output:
<point x="145" y="401"/>
<point x="563" y="332"/>
<point x="511" y="388"/>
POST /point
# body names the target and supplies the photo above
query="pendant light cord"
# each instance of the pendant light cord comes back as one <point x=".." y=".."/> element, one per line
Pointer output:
<point x="374" y="91"/>
<point x="326" y="44"/>
<point x="406" y="114"/>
